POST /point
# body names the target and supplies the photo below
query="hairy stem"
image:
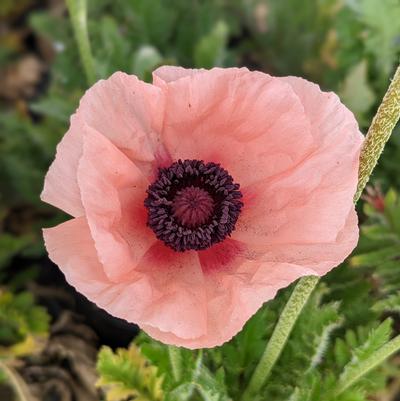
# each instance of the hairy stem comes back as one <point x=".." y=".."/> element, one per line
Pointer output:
<point x="288" y="318"/>
<point x="78" y="13"/>
<point x="379" y="132"/>
<point x="381" y="128"/>
<point x="175" y="358"/>
<point x="352" y="376"/>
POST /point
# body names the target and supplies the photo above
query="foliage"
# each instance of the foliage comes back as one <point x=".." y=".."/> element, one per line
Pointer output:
<point x="378" y="252"/>
<point x="144" y="371"/>
<point x="337" y="333"/>
<point x="382" y="23"/>
<point x="128" y="374"/>
<point x="347" y="46"/>
<point x="23" y="325"/>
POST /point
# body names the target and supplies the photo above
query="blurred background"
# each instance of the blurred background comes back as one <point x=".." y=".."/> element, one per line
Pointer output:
<point x="349" y="46"/>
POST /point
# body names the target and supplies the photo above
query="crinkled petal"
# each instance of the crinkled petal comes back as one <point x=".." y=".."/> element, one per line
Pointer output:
<point x="328" y="116"/>
<point x="61" y="185"/>
<point x="168" y="73"/>
<point x="251" y="123"/>
<point x="127" y="111"/>
<point x="320" y="257"/>
<point x="310" y="202"/>
<point x="169" y="296"/>
<point x="240" y="286"/>
<point x="179" y="293"/>
<point x="71" y="247"/>
<point x="167" y="290"/>
<point x="113" y="190"/>
<point x="233" y="299"/>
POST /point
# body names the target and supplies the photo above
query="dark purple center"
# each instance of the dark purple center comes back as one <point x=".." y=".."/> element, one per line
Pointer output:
<point x="193" y="205"/>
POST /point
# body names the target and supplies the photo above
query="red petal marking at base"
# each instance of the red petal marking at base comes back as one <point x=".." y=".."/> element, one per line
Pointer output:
<point x="221" y="256"/>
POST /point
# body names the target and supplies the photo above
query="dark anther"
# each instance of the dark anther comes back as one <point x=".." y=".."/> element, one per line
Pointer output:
<point x="193" y="205"/>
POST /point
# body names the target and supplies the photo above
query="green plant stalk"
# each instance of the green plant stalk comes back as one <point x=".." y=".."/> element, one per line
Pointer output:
<point x="379" y="356"/>
<point x="379" y="132"/>
<point x="283" y="328"/>
<point x="78" y="13"/>
<point x="175" y="358"/>
<point x="381" y="128"/>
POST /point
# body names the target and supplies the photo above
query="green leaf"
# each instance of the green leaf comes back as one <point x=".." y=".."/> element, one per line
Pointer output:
<point x="376" y="338"/>
<point x="196" y="378"/>
<point x="368" y="357"/>
<point x="390" y="304"/>
<point x="146" y="59"/>
<point x="127" y="373"/>
<point x="204" y="384"/>
<point x="375" y="257"/>
<point x="359" y="348"/>
<point x="210" y="50"/>
<point x="382" y="20"/>
<point x="239" y="357"/>
<point x="10" y="245"/>
<point x="150" y="21"/>
<point x="211" y="387"/>
<point x="54" y="106"/>
<point x="184" y="389"/>
<point x="158" y="354"/>
<point x="356" y="93"/>
<point x="23" y="325"/>
<point x="306" y="347"/>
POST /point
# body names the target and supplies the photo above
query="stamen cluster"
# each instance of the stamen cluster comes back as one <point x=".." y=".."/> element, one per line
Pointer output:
<point x="193" y="205"/>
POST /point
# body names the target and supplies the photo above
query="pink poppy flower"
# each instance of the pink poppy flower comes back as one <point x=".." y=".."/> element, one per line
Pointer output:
<point x="195" y="199"/>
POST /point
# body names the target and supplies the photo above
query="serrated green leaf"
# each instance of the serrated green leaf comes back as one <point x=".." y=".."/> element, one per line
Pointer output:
<point x="305" y="350"/>
<point x="211" y="387"/>
<point x="376" y="338"/>
<point x="128" y="373"/>
<point x="390" y="304"/>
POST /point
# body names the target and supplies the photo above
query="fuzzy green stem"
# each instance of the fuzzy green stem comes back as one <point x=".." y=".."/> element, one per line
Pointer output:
<point x="175" y="358"/>
<point x="352" y="376"/>
<point x="379" y="132"/>
<point x="78" y="13"/>
<point x="290" y="313"/>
